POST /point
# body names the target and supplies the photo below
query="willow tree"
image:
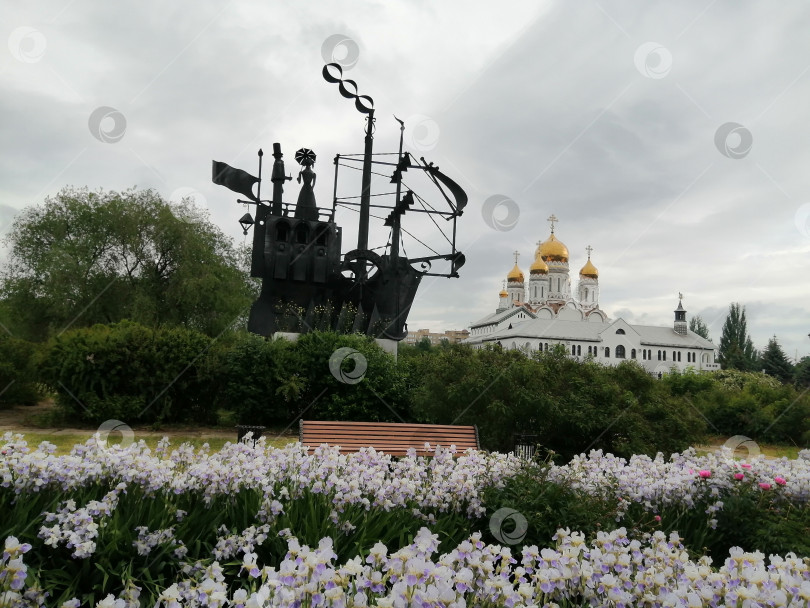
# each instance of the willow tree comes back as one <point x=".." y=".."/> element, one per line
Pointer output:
<point x="83" y="257"/>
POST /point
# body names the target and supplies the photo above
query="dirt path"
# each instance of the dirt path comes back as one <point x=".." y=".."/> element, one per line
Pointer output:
<point x="18" y="419"/>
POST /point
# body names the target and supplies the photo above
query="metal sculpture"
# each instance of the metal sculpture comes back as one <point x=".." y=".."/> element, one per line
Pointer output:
<point x="306" y="283"/>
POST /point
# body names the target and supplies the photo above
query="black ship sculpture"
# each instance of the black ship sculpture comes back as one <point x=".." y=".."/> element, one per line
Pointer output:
<point x="297" y="247"/>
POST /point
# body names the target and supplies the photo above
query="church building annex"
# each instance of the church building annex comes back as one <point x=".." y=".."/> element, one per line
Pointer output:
<point x="543" y="312"/>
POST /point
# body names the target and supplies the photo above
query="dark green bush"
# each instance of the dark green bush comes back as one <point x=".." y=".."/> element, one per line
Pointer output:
<point x="18" y="376"/>
<point x="257" y="383"/>
<point x="547" y="506"/>
<point x="747" y="403"/>
<point x="571" y="406"/>
<point x="132" y="373"/>
<point x="273" y="382"/>
<point x="378" y="397"/>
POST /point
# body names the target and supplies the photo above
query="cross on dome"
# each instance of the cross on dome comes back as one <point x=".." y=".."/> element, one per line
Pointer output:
<point x="552" y="218"/>
<point x="589" y="249"/>
<point x="517" y="255"/>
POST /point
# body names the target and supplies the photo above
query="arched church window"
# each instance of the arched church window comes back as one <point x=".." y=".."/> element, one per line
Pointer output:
<point x="664" y="354"/>
<point x="633" y="353"/>
<point x="573" y="349"/>
<point x="620" y="331"/>
<point x="659" y="355"/>
<point x="679" y="357"/>
<point x="579" y="350"/>
<point x="607" y="352"/>
<point x="620" y="351"/>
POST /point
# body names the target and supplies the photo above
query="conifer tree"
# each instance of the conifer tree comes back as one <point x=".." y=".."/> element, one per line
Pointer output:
<point x="736" y="348"/>
<point x="775" y="363"/>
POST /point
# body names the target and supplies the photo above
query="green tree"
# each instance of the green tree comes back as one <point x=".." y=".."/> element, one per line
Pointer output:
<point x="99" y="257"/>
<point x="424" y="345"/>
<point x="775" y="363"/>
<point x="698" y="326"/>
<point x="801" y="374"/>
<point x="736" y="350"/>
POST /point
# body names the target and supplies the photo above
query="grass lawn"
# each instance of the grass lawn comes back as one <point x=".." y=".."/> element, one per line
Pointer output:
<point x="64" y="442"/>
<point x="769" y="450"/>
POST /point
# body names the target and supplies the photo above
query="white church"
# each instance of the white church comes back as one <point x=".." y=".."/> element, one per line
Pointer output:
<point x="543" y="312"/>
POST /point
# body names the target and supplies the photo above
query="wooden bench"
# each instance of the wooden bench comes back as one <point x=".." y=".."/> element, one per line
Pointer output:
<point x="392" y="438"/>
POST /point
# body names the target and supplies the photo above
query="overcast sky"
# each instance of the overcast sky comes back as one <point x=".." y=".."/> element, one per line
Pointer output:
<point x="672" y="137"/>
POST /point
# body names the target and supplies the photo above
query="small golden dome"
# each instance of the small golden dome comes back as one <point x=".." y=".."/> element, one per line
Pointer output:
<point x="589" y="270"/>
<point x="553" y="250"/>
<point x="503" y="294"/>
<point x="515" y="274"/>
<point x="539" y="266"/>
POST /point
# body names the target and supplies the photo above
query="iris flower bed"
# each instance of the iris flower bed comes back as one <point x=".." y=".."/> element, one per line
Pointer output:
<point x="255" y="526"/>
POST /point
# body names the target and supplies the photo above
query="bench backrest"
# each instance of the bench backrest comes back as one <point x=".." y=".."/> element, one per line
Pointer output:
<point x="392" y="438"/>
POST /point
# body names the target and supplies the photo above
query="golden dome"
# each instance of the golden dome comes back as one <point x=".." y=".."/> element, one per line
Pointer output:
<point x="539" y="266"/>
<point x="515" y="274"/>
<point x="553" y="250"/>
<point x="589" y="270"/>
<point x="503" y="294"/>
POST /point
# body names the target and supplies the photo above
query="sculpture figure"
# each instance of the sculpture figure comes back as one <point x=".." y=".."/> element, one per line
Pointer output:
<point x="306" y="209"/>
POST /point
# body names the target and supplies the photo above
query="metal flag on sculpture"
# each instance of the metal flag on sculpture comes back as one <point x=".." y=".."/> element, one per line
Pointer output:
<point x="234" y="179"/>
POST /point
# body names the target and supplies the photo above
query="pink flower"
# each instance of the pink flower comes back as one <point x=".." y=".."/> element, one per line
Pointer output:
<point x="657" y="518"/>
<point x="738" y="476"/>
<point x="705" y="474"/>
<point x="691" y="471"/>
<point x="745" y="465"/>
<point x="765" y="486"/>
<point x="780" y="480"/>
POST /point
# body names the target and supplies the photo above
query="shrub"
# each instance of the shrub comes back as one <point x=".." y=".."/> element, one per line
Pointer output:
<point x="258" y="386"/>
<point x="18" y="385"/>
<point x="571" y="406"/>
<point x="379" y="397"/>
<point x="547" y="506"/>
<point x="133" y="373"/>
<point x="274" y="382"/>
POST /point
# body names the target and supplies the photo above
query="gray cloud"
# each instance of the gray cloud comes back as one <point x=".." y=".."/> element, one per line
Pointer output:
<point x="544" y="105"/>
